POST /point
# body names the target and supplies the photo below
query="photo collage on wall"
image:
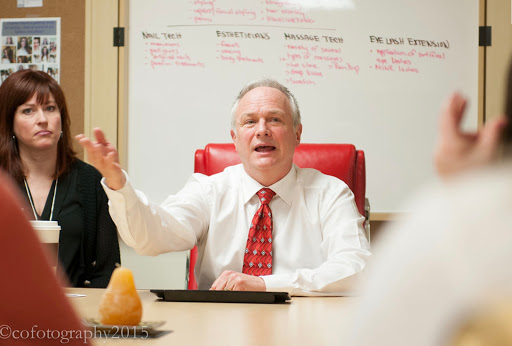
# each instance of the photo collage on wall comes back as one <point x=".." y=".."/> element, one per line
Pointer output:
<point x="30" y="44"/>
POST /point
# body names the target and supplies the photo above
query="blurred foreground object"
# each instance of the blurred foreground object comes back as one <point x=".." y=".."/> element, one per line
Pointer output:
<point x="34" y="309"/>
<point x="447" y="259"/>
<point x="490" y="326"/>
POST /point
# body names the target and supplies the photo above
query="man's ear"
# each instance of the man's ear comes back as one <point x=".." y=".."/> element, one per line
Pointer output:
<point x="298" y="133"/>
<point x="233" y="137"/>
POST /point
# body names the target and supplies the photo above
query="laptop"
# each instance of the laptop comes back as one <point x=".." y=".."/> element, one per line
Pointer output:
<point x="222" y="296"/>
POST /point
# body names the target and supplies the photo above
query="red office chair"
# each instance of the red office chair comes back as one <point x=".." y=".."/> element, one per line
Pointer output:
<point x="339" y="160"/>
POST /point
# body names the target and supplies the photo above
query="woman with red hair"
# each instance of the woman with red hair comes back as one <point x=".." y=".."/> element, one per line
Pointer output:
<point x="36" y="150"/>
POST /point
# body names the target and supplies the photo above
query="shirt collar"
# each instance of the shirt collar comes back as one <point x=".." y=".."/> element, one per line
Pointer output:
<point x="284" y="188"/>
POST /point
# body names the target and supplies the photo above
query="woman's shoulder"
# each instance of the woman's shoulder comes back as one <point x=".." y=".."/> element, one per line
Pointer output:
<point x="87" y="170"/>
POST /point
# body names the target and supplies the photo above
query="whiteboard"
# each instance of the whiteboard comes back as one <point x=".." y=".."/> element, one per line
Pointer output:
<point x="369" y="72"/>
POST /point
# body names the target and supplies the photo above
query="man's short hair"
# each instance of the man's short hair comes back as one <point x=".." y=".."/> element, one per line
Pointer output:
<point x="271" y="83"/>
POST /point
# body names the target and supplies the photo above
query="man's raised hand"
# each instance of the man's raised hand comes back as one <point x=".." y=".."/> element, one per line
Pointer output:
<point x="103" y="155"/>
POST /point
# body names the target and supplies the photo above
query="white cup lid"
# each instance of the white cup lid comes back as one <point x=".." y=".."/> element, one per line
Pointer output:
<point x="45" y="225"/>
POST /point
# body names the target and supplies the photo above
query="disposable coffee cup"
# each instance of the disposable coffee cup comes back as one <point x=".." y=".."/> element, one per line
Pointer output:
<point x="48" y="233"/>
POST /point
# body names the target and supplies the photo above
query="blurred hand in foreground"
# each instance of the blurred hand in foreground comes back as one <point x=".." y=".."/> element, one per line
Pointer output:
<point x="459" y="151"/>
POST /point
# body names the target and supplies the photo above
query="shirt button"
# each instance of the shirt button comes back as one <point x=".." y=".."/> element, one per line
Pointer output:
<point x="87" y="283"/>
<point x="93" y="263"/>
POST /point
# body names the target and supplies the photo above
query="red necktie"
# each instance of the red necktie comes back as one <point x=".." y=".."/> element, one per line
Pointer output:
<point x="258" y="252"/>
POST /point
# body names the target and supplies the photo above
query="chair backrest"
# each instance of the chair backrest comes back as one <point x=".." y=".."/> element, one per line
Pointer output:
<point x="339" y="160"/>
<point x="33" y="300"/>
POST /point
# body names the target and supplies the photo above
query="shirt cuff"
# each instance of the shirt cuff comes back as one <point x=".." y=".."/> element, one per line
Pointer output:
<point x="125" y="195"/>
<point x="105" y="186"/>
<point x="279" y="283"/>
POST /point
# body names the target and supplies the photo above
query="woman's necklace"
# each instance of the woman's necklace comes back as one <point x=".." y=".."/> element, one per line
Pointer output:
<point x="32" y="202"/>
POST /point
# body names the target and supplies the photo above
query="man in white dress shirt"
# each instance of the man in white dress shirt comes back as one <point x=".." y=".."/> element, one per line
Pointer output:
<point x="318" y="244"/>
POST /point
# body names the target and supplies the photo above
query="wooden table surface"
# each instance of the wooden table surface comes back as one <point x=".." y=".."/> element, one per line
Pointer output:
<point x="302" y="321"/>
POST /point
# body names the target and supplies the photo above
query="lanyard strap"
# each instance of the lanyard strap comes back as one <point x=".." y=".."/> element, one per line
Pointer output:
<point x="32" y="202"/>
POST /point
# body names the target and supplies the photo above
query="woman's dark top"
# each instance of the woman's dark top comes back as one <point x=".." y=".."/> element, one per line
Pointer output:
<point x="88" y="245"/>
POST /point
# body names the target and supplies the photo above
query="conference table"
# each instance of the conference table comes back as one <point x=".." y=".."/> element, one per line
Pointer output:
<point x="301" y="321"/>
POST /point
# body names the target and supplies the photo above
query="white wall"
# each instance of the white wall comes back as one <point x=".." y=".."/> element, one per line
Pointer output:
<point x="159" y="272"/>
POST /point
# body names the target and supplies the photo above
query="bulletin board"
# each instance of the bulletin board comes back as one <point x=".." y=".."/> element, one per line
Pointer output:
<point x="71" y="50"/>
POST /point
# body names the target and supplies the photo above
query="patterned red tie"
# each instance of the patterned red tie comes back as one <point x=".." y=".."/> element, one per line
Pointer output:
<point x="258" y="252"/>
